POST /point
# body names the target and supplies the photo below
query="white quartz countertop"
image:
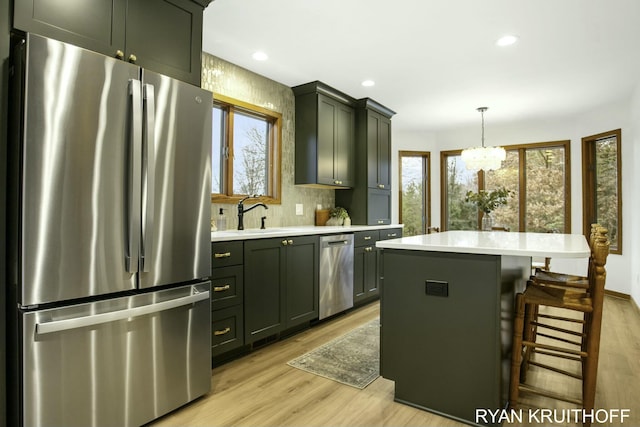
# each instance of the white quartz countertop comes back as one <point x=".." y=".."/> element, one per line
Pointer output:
<point x="495" y="243"/>
<point x="302" y="230"/>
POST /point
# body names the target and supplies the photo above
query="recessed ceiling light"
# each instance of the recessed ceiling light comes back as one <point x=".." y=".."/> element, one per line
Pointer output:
<point x="260" y="56"/>
<point x="506" y="40"/>
<point x="368" y="83"/>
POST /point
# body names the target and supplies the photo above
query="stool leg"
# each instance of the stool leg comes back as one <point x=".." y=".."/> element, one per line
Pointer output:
<point x="516" y="351"/>
<point x="529" y="334"/>
<point x="590" y="364"/>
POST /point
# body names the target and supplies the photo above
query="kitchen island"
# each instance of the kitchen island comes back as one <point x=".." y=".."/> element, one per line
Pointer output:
<point x="447" y="307"/>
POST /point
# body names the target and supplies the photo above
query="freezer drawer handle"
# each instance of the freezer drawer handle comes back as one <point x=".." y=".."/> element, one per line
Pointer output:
<point x="222" y="332"/>
<point x="221" y="288"/>
<point x="97" y="319"/>
<point x="224" y="255"/>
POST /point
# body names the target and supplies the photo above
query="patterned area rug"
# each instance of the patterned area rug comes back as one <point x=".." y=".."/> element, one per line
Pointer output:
<point x="352" y="359"/>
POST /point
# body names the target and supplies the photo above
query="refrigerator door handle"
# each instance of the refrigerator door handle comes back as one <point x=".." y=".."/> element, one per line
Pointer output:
<point x="97" y="319"/>
<point x="133" y="182"/>
<point x="148" y="176"/>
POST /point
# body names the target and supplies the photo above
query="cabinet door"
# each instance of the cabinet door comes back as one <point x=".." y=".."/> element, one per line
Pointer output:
<point x="302" y="280"/>
<point x="379" y="202"/>
<point x="384" y="153"/>
<point x="378" y="151"/>
<point x="97" y="25"/>
<point x="365" y="275"/>
<point x="264" y="299"/>
<point x="344" y="146"/>
<point x="327" y="113"/>
<point x="372" y="273"/>
<point x="166" y="36"/>
<point x="336" y="133"/>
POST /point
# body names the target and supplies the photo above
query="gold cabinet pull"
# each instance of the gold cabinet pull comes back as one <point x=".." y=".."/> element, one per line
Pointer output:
<point x="337" y="182"/>
<point x="381" y="221"/>
<point x="380" y="185"/>
<point x="221" y="288"/>
<point x="222" y="255"/>
<point x="222" y="332"/>
<point x="119" y="54"/>
<point x="290" y="242"/>
<point x="133" y="58"/>
<point x="284" y="243"/>
<point x="368" y="249"/>
<point x="367" y="237"/>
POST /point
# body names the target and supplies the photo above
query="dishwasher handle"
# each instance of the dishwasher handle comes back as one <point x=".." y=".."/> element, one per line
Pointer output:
<point x="338" y="242"/>
<point x="97" y="319"/>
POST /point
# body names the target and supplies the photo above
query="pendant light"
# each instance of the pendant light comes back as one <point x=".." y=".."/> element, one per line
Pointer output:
<point x="483" y="158"/>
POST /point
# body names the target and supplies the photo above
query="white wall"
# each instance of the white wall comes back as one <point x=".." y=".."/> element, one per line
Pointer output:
<point x="574" y="128"/>
<point x="633" y="224"/>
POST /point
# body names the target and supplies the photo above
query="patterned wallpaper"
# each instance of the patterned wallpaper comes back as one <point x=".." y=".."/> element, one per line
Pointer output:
<point x="224" y="78"/>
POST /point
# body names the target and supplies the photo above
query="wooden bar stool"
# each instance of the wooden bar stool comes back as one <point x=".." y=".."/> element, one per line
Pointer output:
<point x="585" y="351"/>
<point x="533" y="320"/>
<point x="543" y="276"/>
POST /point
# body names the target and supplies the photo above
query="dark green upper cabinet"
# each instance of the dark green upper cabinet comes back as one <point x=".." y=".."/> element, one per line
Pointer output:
<point x="162" y="35"/>
<point x="378" y="150"/>
<point x="369" y="202"/>
<point x="325" y="136"/>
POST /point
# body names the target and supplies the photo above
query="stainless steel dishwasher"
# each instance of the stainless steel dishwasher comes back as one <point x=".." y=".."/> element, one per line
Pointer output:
<point x="336" y="274"/>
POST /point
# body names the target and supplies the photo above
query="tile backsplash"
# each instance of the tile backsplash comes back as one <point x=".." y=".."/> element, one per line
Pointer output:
<point x="223" y="78"/>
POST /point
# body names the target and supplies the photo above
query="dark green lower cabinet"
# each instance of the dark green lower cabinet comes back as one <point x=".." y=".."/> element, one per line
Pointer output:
<point x="227" y="330"/>
<point x="365" y="274"/>
<point x="227" y="289"/>
<point x="302" y="280"/>
<point x="281" y="285"/>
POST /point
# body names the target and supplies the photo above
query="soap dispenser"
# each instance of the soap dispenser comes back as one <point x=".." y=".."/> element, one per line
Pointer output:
<point x="221" y="221"/>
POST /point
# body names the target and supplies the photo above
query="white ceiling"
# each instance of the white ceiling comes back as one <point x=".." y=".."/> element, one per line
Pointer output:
<point x="435" y="61"/>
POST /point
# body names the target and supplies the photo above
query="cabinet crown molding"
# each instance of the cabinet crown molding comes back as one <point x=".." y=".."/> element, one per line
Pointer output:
<point x="319" y="87"/>
<point x="375" y="106"/>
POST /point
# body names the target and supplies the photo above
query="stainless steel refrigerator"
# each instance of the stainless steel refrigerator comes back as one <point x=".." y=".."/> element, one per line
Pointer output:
<point x="109" y="244"/>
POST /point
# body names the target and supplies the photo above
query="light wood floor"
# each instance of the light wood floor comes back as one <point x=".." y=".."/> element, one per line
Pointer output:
<point x="260" y="389"/>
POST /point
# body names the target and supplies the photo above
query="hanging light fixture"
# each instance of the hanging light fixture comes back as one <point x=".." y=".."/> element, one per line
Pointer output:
<point x="485" y="158"/>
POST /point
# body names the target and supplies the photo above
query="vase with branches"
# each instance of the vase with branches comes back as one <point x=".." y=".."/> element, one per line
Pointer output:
<point x="488" y="201"/>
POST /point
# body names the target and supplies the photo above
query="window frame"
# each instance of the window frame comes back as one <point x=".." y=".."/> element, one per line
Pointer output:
<point x="589" y="179"/>
<point x="274" y="175"/>
<point x="521" y="148"/>
<point x="426" y="178"/>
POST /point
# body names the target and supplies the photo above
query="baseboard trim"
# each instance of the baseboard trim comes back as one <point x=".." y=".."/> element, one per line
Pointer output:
<point x="617" y="294"/>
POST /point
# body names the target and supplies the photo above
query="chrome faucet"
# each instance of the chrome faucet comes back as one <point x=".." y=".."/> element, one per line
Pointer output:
<point x="242" y="210"/>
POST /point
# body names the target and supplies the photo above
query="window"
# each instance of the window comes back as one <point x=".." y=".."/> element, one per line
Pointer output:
<point x="245" y="151"/>
<point x="602" y="186"/>
<point x="415" y="206"/>
<point x="456" y="180"/>
<point x="537" y="174"/>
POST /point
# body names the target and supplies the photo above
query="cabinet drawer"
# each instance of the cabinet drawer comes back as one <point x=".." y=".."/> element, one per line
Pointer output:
<point x="365" y="238"/>
<point x="390" y="233"/>
<point x="224" y="254"/>
<point x="227" y="286"/>
<point x="226" y="329"/>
